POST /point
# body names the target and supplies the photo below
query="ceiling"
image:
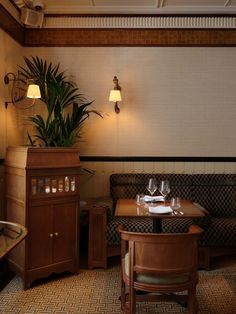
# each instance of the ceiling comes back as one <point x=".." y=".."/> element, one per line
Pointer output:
<point x="132" y="6"/>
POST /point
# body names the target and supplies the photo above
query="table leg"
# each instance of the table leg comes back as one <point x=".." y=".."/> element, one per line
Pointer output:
<point x="157" y="225"/>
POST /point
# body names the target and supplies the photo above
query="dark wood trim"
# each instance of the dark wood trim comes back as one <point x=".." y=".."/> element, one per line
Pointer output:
<point x="74" y="37"/>
<point x="152" y="158"/>
<point x="156" y="158"/>
<point x="136" y="15"/>
<point x="80" y="37"/>
<point x="11" y="26"/>
<point x="14" y="4"/>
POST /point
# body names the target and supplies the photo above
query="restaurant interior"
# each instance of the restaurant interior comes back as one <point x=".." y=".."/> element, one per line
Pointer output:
<point x="117" y="156"/>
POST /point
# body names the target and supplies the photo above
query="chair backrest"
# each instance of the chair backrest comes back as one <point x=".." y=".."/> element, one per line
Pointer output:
<point x="164" y="253"/>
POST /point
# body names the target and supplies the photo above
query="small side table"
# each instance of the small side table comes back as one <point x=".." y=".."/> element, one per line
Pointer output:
<point x="11" y="234"/>
<point x="97" y="209"/>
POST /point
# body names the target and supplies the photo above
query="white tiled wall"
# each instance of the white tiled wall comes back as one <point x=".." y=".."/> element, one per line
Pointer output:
<point x="176" y="101"/>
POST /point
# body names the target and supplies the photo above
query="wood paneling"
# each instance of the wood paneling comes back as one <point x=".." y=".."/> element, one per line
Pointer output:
<point x="81" y="37"/>
<point x="129" y="37"/>
<point x="98" y="184"/>
<point x="11" y="26"/>
<point x="156" y="158"/>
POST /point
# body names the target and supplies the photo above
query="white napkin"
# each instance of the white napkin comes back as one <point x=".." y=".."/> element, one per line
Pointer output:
<point x="148" y="198"/>
<point x="160" y="210"/>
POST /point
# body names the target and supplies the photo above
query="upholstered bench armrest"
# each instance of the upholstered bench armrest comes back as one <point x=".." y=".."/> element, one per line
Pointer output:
<point x="104" y="201"/>
<point x="97" y="256"/>
<point x="98" y="211"/>
<point x="203" y="222"/>
<point x="206" y="212"/>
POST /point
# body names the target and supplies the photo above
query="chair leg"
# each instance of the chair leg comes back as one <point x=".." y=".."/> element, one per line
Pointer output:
<point x="192" y="301"/>
<point x="123" y="297"/>
<point x="132" y="300"/>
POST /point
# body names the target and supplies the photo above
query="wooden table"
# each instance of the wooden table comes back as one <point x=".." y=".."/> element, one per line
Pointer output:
<point x="129" y="208"/>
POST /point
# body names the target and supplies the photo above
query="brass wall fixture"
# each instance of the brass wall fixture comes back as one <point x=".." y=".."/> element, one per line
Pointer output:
<point x="115" y="94"/>
<point x="20" y="88"/>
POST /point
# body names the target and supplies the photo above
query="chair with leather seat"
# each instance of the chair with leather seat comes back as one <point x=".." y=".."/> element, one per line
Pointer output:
<point x="162" y="265"/>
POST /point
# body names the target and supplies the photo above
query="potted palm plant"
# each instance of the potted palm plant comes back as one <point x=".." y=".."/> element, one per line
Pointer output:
<point x="67" y="109"/>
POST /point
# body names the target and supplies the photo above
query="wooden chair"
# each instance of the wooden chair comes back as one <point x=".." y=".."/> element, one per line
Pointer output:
<point x="162" y="264"/>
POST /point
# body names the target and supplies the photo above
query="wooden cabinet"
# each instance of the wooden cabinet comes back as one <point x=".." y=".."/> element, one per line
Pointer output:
<point x="42" y="193"/>
<point x="51" y="240"/>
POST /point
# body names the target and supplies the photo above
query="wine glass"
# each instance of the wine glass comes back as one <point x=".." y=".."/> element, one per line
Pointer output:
<point x="164" y="188"/>
<point x="175" y="203"/>
<point x="152" y="186"/>
<point x="139" y="199"/>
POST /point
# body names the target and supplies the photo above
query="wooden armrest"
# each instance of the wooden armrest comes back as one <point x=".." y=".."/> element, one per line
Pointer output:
<point x="206" y="212"/>
<point x="97" y="256"/>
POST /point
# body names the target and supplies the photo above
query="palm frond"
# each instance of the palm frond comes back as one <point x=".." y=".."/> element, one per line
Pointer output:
<point x="58" y="93"/>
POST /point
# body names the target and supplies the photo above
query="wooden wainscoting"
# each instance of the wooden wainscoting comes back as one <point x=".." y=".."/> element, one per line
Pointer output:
<point x="97" y="184"/>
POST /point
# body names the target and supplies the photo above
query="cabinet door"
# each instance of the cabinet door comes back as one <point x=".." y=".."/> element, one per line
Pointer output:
<point x="40" y="236"/>
<point x="65" y="232"/>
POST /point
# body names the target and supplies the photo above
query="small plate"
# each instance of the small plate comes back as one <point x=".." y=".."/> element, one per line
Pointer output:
<point x="160" y="210"/>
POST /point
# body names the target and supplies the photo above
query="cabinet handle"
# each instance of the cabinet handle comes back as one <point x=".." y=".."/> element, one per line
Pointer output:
<point x="56" y="234"/>
<point x="50" y="235"/>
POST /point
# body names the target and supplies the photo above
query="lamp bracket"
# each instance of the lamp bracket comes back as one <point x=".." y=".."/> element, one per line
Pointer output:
<point x="117" y="109"/>
<point x="116" y="83"/>
<point x="7" y="78"/>
<point x="18" y="88"/>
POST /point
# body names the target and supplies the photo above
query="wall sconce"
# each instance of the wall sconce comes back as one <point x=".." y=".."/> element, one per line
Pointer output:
<point x="18" y="88"/>
<point x="115" y="94"/>
<point x="33" y="91"/>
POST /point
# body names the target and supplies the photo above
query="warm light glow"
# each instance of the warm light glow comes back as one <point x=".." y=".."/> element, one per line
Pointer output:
<point x="115" y="95"/>
<point x="33" y="91"/>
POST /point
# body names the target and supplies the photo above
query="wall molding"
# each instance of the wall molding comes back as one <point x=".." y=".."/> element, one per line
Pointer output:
<point x="11" y="26"/>
<point x="102" y="36"/>
<point x="156" y="158"/>
<point x="151" y="22"/>
<point x="76" y="37"/>
<point x="151" y="159"/>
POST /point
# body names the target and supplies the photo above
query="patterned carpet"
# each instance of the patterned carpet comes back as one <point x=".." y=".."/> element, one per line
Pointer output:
<point x="97" y="292"/>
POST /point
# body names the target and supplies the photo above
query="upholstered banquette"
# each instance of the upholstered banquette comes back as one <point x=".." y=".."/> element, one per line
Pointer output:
<point x="214" y="193"/>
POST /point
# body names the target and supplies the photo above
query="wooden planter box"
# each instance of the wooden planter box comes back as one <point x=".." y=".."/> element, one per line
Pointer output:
<point x="42" y="193"/>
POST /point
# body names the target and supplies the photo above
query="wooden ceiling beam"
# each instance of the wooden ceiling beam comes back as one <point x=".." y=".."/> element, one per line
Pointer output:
<point x="75" y="37"/>
<point x="11" y="26"/>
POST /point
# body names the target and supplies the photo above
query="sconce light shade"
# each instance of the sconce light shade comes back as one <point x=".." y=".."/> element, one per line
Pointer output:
<point x="21" y="87"/>
<point x="33" y="91"/>
<point x="115" y="95"/>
